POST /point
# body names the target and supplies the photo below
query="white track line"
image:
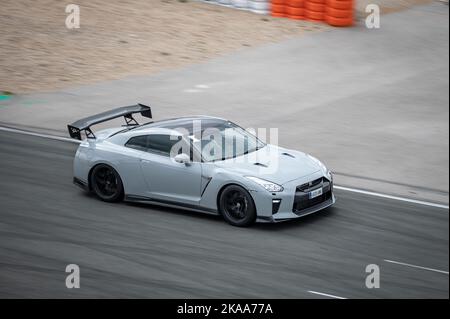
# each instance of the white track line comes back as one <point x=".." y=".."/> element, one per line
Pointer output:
<point x="326" y="295"/>
<point x="403" y="199"/>
<point x="52" y="137"/>
<point x="414" y="266"/>
<point x="354" y="190"/>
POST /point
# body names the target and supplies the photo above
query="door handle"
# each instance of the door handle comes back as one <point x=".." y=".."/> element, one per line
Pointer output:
<point x="145" y="161"/>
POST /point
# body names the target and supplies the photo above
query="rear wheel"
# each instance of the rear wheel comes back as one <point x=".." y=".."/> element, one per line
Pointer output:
<point x="236" y="206"/>
<point x="106" y="183"/>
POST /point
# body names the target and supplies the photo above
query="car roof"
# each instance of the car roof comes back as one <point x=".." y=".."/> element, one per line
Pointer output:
<point x="176" y="123"/>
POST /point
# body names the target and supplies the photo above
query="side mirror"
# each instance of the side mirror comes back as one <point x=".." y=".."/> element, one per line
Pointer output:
<point x="182" y="159"/>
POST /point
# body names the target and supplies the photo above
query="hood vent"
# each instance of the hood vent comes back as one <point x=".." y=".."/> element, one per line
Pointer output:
<point x="261" y="164"/>
<point x="287" y="154"/>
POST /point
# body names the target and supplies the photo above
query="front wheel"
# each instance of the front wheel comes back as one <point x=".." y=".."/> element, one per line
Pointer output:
<point x="106" y="183"/>
<point x="236" y="206"/>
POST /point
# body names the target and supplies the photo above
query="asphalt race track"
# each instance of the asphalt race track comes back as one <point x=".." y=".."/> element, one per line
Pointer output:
<point x="128" y="250"/>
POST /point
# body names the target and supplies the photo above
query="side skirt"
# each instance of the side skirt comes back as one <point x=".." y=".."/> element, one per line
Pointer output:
<point x="171" y="204"/>
<point x="81" y="184"/>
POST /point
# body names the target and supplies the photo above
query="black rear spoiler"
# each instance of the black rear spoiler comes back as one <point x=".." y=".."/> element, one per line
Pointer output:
<point x="126" y="111"/>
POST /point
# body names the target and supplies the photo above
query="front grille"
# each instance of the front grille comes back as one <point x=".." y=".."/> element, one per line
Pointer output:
<point x="307" y="203"/>
<point x="305" y="187"/>
<point x="302" y="200"/>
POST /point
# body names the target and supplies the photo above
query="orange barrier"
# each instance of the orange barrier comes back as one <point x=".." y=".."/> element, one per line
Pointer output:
<point x="278" y="8"/>
<point x="295" y="13"/>
<point x="296" y="3"/>
<point x="339" y="22"/>
<point x="295" y="9"/>
<point x="318" y="7"/>
<point x="315" y="10"/>
<point x="337" y="13"/>
<point x="340" y="4"/>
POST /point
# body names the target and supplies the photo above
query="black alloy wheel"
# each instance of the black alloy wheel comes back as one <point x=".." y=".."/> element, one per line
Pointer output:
<point x="106" y="183"/>
<point x="236" y="206"/>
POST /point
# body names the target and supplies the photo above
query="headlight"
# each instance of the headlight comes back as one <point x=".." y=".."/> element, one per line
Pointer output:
<point x="269" y="186"/>
<point x="330" y="175"/>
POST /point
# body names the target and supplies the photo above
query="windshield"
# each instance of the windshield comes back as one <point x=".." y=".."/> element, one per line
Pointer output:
<point x="224" y="140"/>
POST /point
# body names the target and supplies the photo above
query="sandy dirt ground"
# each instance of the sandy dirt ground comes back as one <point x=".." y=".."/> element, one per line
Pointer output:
<point x="122" y="38"/>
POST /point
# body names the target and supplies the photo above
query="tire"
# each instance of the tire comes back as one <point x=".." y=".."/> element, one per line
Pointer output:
<point x="278" y="8"/>
<point x="339" y="22"/>
<point x="315" y="6"/>
<point x="296" y="17"/>
<point x="259" y="11"/>
<point x="106" y="183"/>
<point x="314" y="15"/>
<point x="339" y="4"/>
<point x="236" y="206"/>
<point x="259" y="6"/>
<point x="296" y="3"/>
<point x="277" y="15"/>
<point x="239" y="3"/>
<point x="337" y="13"/>
<point x="292" y="11"/>
<point x="315" y="20"/>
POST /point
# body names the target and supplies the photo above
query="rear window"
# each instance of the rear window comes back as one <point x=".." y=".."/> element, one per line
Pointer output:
<point x="161" y="144"/>
<point x="154" y="143"/>
<point x="138" y="143"/>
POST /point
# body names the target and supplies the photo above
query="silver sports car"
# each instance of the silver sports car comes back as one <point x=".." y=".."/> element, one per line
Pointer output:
<point x="198" y="163"/>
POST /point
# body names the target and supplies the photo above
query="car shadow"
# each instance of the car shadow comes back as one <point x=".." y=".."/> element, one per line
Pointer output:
<point x="158" y="208"/>
<point x="294" y="223"/>
<point x="177" y="211"/>
<point x="300" y="222"/>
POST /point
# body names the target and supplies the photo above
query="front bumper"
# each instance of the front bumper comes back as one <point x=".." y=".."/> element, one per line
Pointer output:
<point x="294" y="202"/>
<point x="283" y="216"/>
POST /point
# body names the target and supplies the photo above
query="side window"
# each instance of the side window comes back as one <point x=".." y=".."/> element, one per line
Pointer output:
<point x="138" y="143"/>
<point x="161" y="144"/>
